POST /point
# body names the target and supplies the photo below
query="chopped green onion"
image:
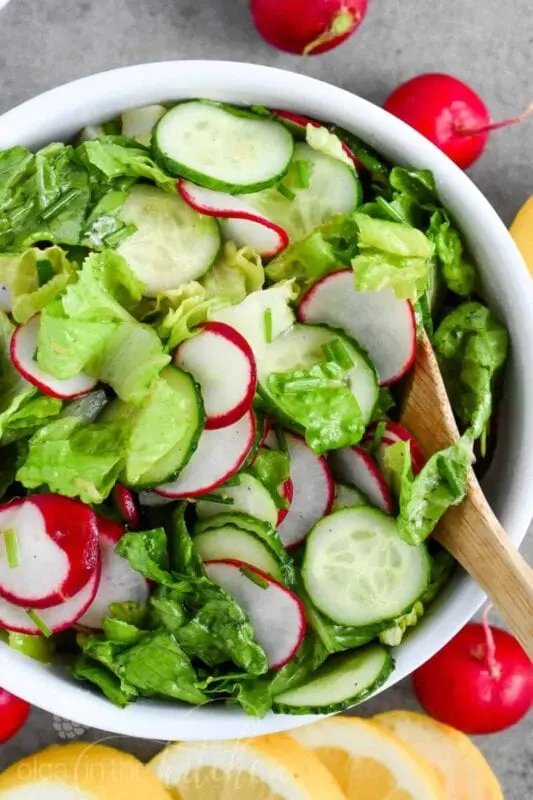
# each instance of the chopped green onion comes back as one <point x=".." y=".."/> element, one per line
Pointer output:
<point x="483" y="442"/>
<point x="114" y="238"/>
<point x="306" y="384"/>
<point x="12" y="548"/>
<point x="268" y="325"/>
<point x="337" y="352"/>
<point x="254" y="577"/>
<point x="234" y="481"/>
<point x="379" y="433"/>
<point x="281" y="439"/>
<point x="58" y="205"/>
<point x="303" y="173"/>
<point x="39" y="623"/>
<point x="261" y="111"/>
<point x="218" y="498"/>
<point x="287" y="193"/>
<point x="45" y="271"/>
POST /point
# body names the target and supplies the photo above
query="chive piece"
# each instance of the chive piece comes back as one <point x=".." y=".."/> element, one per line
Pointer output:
<point x="254" y="577"/>
<point x="268" y="325"/>
<point x="483" y="442"/>
<point x="379" y="433"/>
<point x="303" y="173"/>
<point x="12" y="548"/>
<point x="114" y="238"/>
<point x="281" y="439"/>
<point x="39" y="623"/>
<point x="45" y="271"/>
<point x="305" y="384"/>
<point x="336" y="351"/>
<point x="218" y="498"/>
<point x="287" y="193"/>
<point x="58" y="205"/>
<point x="261" y="111"/>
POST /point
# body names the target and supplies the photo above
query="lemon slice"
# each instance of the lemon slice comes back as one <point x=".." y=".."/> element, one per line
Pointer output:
<point x="81" y="771"/>
<point x="522" y="232"/>
<point x="368" y="762"/>
<point x="266" y="768"/>
<point x="462" y="769"/>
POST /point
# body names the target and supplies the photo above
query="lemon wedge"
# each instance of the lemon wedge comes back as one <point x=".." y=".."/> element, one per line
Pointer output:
<point x="522" y="232"/>
<point x="462" y="769"/>
<point x="81" y="771"/>
<point x="266" y="768"/>
<point x="368" y="762"/>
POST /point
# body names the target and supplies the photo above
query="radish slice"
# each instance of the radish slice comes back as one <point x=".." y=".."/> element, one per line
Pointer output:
<point x="48" y="549"/>
<point x="394" y="432"/>
<point x="127" y="506"/>
<point x="219" y="455"/>
<point x="119" y="582"/>
<point x="23" y="347"/>
<point x="356" y="467"/>
<point x="378" y="321"/>
<point x="244" y="224"/>
<point x="222" y="362"/>
<point x="277" y="614"/>
<point x="153" y="500"/>
<point x="287" y="492"/>
<point x="57" y="618"/>
<point x="298" y="124"/>
<point x="313" y="492"/>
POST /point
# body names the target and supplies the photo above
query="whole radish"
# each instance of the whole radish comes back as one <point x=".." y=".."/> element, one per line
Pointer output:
<point x="448" y="113"/>
<point x="480" y="682"/>
<point x="13" y="714"/>
<point x="308" y="27"/>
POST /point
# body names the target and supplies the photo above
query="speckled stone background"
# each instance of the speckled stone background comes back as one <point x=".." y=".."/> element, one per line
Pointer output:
<point x="487" y="42"/>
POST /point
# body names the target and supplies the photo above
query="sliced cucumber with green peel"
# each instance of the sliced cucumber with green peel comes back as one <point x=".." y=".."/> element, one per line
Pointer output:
<point x="243" y="538"/>
<point x="341" y="682"/>
<point x="302" y="347"/>
<point x="188" y="407"/>
<point x="171" y="244"/>
<point x="221" y="147"/>
<point x="358" y="571"/>
<point x="139" y="123"/>
<point x="249" y="496"/>
<point x="333" y="188"/>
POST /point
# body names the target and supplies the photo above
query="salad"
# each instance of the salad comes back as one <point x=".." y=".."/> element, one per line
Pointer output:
<point x="207" y="313"/>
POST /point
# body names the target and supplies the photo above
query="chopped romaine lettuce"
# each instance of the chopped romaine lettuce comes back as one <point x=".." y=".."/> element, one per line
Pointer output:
<point x="14" y="389"/>
<point x="34" y="279"/>
<point x="235" y="274"/>
<point x="116" y="157"/>
<point x="323" y="140"/>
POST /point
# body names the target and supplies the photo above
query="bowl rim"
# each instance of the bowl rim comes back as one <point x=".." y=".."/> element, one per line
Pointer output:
<point x="72" y="106"/>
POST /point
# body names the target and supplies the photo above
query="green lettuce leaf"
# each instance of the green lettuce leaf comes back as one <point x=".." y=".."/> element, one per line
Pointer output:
<point x="74" y="459"/>
<point x="86" y="669"/>
<point x="112" y="157"/>
<point x="14" y="389"/>
<point x="272" y="468"/>
<point x="442" y="482"/>
<point x="35" y="411"/>
<point x="375" y="172"/>
<point x="471" y="347"/>
<point x="320" y="402"/>
<point x="147" y="552"/>
<point x="183" y="555"/>
<point x="456" y="266"/>
<point x="324" y="141"/>
<point x="34" y="279"/>
<point x="235" y="274"/>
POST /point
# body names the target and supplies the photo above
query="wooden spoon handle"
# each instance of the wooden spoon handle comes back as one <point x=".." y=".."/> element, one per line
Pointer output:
<point x="487" y="553"/>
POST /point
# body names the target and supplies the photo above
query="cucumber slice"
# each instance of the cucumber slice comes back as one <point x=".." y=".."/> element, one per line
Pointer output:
<point x="230" y="543"/>
<point x="190" y="407"/>
<point x="139" y="123"/>
<point x="359" y="571"/>
<point x="301" y="348"/>
<point x="342" y="681"/>
<point x="172" y="244"/>
<point x="334" y="188"/>
<point x="221" y="147"/>
<point x="347" y="497"/>
<point x="249" y="497"/>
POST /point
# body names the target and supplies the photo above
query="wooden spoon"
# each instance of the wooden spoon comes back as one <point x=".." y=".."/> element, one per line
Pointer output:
<point x="469" y="531"/>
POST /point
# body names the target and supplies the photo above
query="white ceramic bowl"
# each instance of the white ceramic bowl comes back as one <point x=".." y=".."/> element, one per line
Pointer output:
<point x="59" y="114"/>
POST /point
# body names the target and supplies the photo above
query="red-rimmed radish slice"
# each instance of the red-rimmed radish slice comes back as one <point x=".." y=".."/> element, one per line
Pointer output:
<point x="153" y="500"/>
<point x="287" y="492"/>
<point x="127" y="506"/>
<point x="380" y="322"/>
<point x="354" y="466"/>
<point x="220" y="359"/>
<point x="244" y="224"/>
<point x="119" y="582"/>
<point x="313" y="492"/>
<point x="276" y="614"/>
<point x="394" y="432"/>
<point x="48" y="549"/>
<point x="298" y="124"/>
<point x="219" y="455"/>
<point x="23" y="347"/>
<point x="55" y="619"/>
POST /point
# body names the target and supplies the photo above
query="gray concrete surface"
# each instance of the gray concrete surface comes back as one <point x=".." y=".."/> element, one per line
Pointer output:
<point x="486" y="42"/>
